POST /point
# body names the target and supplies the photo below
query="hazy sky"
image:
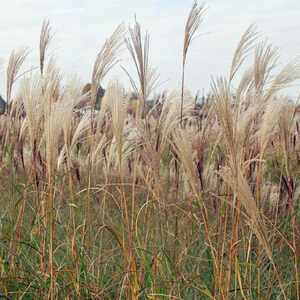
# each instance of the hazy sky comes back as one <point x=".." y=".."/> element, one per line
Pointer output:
<point x="81" y="27"/>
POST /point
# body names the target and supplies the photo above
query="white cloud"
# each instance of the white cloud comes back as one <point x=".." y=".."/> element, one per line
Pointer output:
<point x="81" y="27"/>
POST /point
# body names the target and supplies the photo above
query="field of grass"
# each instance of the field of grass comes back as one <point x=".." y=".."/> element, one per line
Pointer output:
<point x="164" y="204"/>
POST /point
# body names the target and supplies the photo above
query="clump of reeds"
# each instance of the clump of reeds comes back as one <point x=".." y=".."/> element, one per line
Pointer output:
<point x="167" y="202"/>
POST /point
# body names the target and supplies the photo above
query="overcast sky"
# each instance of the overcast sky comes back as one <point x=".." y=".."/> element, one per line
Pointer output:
<point x="81" y="27"/>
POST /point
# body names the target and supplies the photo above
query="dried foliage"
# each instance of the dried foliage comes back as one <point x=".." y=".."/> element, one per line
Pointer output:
<point x="182" y="203"/>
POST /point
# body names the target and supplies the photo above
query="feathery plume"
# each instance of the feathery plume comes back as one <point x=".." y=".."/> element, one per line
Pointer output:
<point x="243" y="49"/>
<point x="191" y="27"/>
<point x="106" y="59"/>
<point x="16" y="60"/>
<point x="45" y="39"/>
<point x="139" y="52"/>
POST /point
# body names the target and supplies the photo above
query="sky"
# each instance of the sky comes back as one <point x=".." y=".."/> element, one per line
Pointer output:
<point x="80" y="28"/>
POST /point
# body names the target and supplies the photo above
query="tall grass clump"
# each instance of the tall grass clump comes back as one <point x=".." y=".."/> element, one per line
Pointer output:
<point x="160" y="201"/>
